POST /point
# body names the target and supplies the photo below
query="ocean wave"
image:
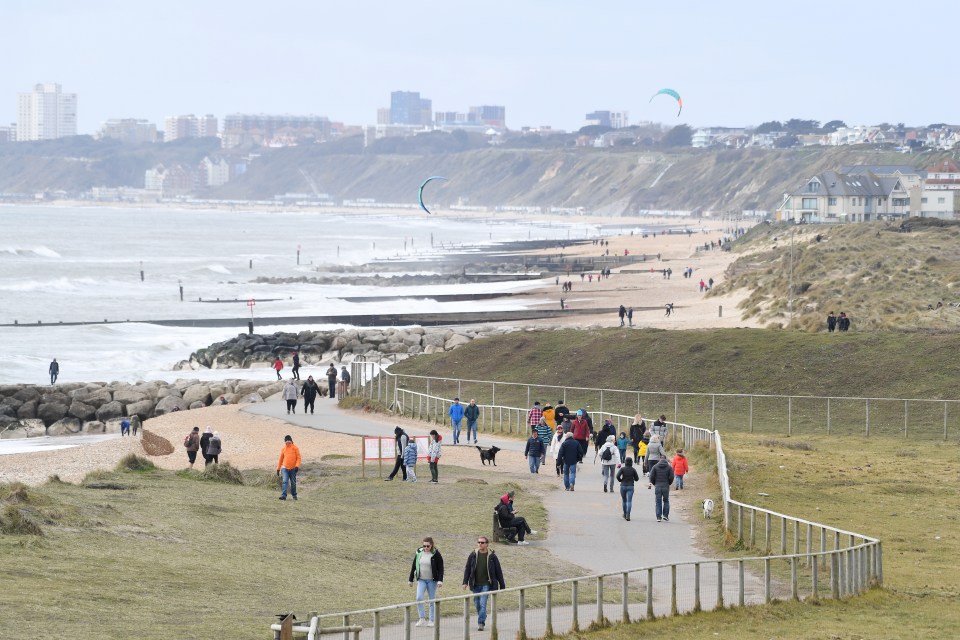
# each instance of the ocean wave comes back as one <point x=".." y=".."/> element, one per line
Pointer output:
<point x="218" y="268"/>
<point x="59" y="285"/>
<point x="30" y="252"/>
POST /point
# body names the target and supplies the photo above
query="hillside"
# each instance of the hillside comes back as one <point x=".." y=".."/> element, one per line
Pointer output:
<point x="621" y="180"/>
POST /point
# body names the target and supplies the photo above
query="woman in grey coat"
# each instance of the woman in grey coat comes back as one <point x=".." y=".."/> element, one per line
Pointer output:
<point x="654" y="451"/>
<point x="214" y="447"/>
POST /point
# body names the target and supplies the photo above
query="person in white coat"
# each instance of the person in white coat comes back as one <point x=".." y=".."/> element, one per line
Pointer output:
<point x="609" y="459"/>
<point x="290" y="393"/>
<point x="555" y="449"/>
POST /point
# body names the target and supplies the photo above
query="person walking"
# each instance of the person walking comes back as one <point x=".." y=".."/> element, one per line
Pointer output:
<point x="630" y="316"/>
<point x="622" y="312"/>
<point x="609" y="459"/>
<point x="555" y="443"/>
<point x="534" y="414"/>
<point x="427" y="572"/>
<point x="627" y="476"/>
<point x="481" y="575"/>
<point x="655" y="452"/>
<point x="831" y="322"/>
<point x="205" y="444"/>
<point x="278" y="367"/>
<point x="637" y="429"/>
<point x="561" y="411"/>
<point x="288" y="466"/>
<point x="661" y="477"/>
<point x="400" y="439"/>
<point x="309" y="391"/>
<point x="569" y="455"/>
<point x="659" y="428"/>
<point x="54" y="371"/>
<point x="456" y="417"/>
<point x="843" y="322"/>
<point x="296" y="366"/>
<point x="680" y="468"/>
<point x="433" y="456"/>
<point x="581" y="432"/>
<point x="192" y="445"/>
<point x="534" y="451"/>
<point x="410" y="455"/>
<point x="332" y="381"/>
<point x="472" y="414"/>
<point x="214" y="448"/>
<point x="344" y="383"/>
<point x="545" y="432"/>
<point x="290" y="393"/>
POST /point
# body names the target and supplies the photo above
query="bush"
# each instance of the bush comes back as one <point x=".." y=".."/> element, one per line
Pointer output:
<point x="133" y="462"/>
<point x="224" y="472"/>
<point x="15" y="522"/>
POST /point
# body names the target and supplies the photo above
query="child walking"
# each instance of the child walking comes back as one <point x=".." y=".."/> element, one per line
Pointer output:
<point x="410" y="460"/>
<point x="622" y="443"/>
<point x="680" y="467"/>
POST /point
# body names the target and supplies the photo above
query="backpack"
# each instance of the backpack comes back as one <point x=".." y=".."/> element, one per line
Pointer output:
<point x="186" y="440"/>
<point x="607" y="454"/>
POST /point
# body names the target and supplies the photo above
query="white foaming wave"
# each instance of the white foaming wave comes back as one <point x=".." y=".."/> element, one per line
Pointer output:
<point x="58" y="285"/>
<point x="39" y="251"/>
<point x="218" y="268"/>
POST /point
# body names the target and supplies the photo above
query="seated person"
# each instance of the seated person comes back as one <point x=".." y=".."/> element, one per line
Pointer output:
<point x="508" y="518"/>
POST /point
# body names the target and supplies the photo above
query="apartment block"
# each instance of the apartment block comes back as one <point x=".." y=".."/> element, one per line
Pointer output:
<point x="46" y="113"/>
<point x="128" y="130"/>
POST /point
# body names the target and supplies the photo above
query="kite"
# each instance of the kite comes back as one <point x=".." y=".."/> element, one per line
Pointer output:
<point x="672" y="93"/>
<point x="420" y="193"/>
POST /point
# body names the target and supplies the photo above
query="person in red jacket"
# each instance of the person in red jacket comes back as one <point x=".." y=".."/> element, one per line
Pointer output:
<point x="680" y="467"/>
<point x="580" y="429"/>
<point x="278" y="367"/>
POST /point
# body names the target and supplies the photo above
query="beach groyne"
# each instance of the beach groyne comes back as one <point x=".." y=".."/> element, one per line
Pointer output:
<point x="28" y="410"/>
<point x="341" y="346"/>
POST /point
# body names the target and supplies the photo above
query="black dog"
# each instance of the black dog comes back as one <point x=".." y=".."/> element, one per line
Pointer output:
<point x="488" y="453"/>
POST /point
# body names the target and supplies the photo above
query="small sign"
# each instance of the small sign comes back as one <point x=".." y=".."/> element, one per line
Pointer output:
<point x="387" y="447"/>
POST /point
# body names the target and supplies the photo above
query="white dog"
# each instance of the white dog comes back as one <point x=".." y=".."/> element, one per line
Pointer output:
<point x="708" y="508"/>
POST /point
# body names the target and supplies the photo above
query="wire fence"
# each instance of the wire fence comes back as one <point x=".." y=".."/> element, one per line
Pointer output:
<point x="802" y="560"/>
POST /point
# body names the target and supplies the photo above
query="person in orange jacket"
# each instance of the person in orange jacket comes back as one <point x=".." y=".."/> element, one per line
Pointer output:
<point x="289" y="465"/>
<point x="680" y="467"/>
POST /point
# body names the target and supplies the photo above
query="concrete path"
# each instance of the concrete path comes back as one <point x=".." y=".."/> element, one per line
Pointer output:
<point x="586" y="529"/>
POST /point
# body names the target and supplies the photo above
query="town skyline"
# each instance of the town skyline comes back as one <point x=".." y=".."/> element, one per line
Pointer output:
<point x="548" y="64"/>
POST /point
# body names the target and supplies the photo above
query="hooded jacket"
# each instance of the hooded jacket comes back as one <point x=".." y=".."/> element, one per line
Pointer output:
<point x="611" y="446"/>
<point x="436" y="564"/>
<point x="410" y="454"/>
<point x="679" y="464"/>
<point x="661" y="475"/>
<point x="493" y="570"/>
<point x="290" y="391"/>
<point x="456" y="412"/>
<point x="310" y="390"/>
<point x="569" y="450"/>
<point x="581" y="429"/>
<point x="400" y="440"/>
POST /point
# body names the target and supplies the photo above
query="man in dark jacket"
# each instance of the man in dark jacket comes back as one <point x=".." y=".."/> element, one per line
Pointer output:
<point x="296" y="366"/>
<point x="661" y="477"/>
<point x="400" y="442"/>
<point x="332" y="381"/>
<point x="561" y="412"/>
<point x="472" y="413"/>
<point x="508" y="518"/>
<point x="310" y="391"/>
<point x="534" y="451"/>
<point x="481" y="575"/>
<point x="569" y="456"/>
<point x="601" y="437"/>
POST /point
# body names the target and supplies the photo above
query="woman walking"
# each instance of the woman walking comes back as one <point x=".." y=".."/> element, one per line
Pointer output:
<point x="433" y="457"/>
<point x="214" y="447"/>
<point x="627" y="477"/>
<point x="609" y="459"/>
<point x="427" y="572"/>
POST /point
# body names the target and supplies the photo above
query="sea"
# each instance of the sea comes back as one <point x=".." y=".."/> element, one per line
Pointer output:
<point x="90" y="264"/>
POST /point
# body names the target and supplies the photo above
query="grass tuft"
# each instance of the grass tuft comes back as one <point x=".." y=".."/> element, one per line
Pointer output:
<point x="14" y="522"/>
<point x="224" y="473"/>
<point x="133" y="462"/>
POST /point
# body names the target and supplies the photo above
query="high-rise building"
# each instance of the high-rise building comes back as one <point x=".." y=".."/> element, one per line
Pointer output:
<point x="407" y="107"/>
<point x="612" y="119"/>
<point x="128" y="130"/>
<point x="46" y="113"/>
<point x="189" y="126"/>
<point x="489" y="115"/>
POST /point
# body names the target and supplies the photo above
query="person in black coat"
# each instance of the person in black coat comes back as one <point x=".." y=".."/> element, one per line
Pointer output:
<point x="400" y="441"/>
<point x="296" y="366"/>
<point x="637" y="429"/>
<point x="569" y="455"/>
<point x="661" y="477"/>
<point x="310" y="391"/>
<point x="831" y="322"/>
<point x="561" y="412"/>
<point x="481" y="582"/>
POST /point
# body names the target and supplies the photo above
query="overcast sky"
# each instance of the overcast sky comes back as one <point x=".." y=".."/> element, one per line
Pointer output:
<point x="735" y="63"/>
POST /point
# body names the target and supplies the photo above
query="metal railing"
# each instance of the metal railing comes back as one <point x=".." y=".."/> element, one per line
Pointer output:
<point x="787" y="415"/>
<point x="809" y="560"/>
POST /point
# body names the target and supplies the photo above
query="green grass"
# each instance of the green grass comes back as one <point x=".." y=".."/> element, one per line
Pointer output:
<point x="170" y="555"/>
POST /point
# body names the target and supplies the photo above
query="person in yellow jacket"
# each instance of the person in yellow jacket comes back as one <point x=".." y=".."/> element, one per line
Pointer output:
<point x="288" y="466"/>
<point x="550" y="416"/>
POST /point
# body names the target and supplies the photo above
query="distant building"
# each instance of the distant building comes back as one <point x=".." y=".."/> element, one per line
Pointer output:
<point x="189" y="126"/>
<point x="715" y="136"/>
<point x="488" y="115"/>
<point x="274" y="130"/>
<point x="128" y="130"/>
<point x="214" y="173"/>
<point x="8" y="134"/>
<point x="407" y="107"/>
<point x="612" y="119"/>
<point x="168" y="183"/>
<point x="860" y="193"/>
<point x="940" y="197"/>
<point x="46" y="113"/>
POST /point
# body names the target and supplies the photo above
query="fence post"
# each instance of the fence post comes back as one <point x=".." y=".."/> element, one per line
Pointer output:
<point x="494" y="631"/>
<point x="719" y="584"/>
<point x="879" y="568"/>
<point x="794" y="593"/>
<point x="783" y="535"/>
<point x="376" y="625"/>
<point x="944" y="420"/>
<point x="549" y="605"/>
<point x="575" y="621"/>
<point x="751" y="414"/>
<point x="835" y="575"/>
<point x="649" y="594"/>
<point x="528" y="395"/>
<point x="809" y="542"/>
<point x="740" y="586"/>
<point x="767" y="595"/>
<point x="828" y="416"/>
<point x="676" y="408"/>
<point x="625" y="597"/>
<point x="522" y="628"/>
<point x="599" y="619"/>
<point x="713" y="412"/>
<point x="814" y="579"/>
<point x="740" y="522"/>
<point x="696" y="586"/>
<point x="766" y="533"/>
<point x="753" y="528"/>
<point x="406" y="623"/>
<point x="867" y="401"/>
<point x="789" y="415"/>
<point x="436" y="620"/>
<point x="346" y="623"/>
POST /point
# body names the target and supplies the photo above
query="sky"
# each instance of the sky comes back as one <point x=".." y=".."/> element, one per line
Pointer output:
<point x="735" y="63"/>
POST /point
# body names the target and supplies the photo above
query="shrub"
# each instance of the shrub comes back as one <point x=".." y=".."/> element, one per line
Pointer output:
<point x="15" y="522"/>
<point x="224" y="472"/>
<point x="133" y="462"/>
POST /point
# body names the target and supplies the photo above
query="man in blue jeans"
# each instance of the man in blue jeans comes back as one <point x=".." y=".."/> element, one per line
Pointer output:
<point x="482" y="575"/>
<point x="661" y="477"/>
<point x="472" y="414"/>
<point x="569" y="455"/>
<point x="456" y="416"/>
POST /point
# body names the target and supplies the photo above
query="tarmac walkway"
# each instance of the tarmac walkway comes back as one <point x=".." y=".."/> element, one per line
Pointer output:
<point x="586" y="529"/>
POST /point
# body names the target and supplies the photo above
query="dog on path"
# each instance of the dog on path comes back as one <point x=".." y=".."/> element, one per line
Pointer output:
<point x="708" y="508"/>
<point x="488" y="454"/>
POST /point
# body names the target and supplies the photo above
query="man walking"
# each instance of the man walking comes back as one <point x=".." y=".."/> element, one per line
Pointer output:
<point x="472" y="414"/>
<point x="400" y="439"/>
<point x="456" y="416"/>
<point x="622" y="313"/>
<point x="332" y="381"/>
<point x="569" y="455"/>
<point x="310" y="391"/>
<point x="481" y="575"/>
<point x="296" y="366"/>
<point x="534" y="415"/>
<point x="288" y="466"/>
<point x="54" y="371"/>
<point x="661" y="477"/>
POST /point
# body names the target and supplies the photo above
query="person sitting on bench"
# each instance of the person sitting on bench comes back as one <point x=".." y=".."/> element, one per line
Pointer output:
<point x="508" y="519"/>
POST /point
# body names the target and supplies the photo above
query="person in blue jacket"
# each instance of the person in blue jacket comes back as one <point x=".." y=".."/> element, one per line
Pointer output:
<point x="456" y="417"/>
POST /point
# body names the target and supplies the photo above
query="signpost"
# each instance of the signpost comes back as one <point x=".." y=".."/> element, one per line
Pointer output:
<point x="251" y="303"/>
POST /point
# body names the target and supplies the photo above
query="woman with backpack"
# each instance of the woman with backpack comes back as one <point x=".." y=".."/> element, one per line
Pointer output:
<point x="609" y="459"/>
<point x="192" y="444"/>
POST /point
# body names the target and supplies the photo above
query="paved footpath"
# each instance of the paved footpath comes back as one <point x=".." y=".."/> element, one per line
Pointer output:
<point x="586" y="527"/>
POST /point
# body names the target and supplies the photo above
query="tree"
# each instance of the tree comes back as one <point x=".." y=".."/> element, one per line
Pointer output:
<point x="770" y="127"/>
<point x="833" y="125"/>
<point x="786" y="142"/>
<point x="680" y="136"/>
<point x="593" y="130"/>
<point x="797" y="126"/>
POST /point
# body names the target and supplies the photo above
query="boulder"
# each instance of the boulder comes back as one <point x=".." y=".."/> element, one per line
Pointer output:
<point x="250" y="398"/>
<point x="51" y="412"/>
<point x="338" y="343"/>
<point x="457" y="340"/>
<point x="149" y="389"/>
<point x="415" y="349"/>
<point x="33" y="428"/>
<point x="197" y="404"/>
<point x="94" y="426"/>
<point x="55" y="397"/>
<point x="393" y="347"/>
<point x="27" y="410"/>
<point x="128" y="396"/>
<point x="197" y="393"/>
<point x="65" y="427"/>
<point x="11" y="402"/>
<point x="433" y="339"/>
<point x="330" y="356"/>
<point x="217" y="390"/>
<point x="142" y="410"/>
<point x="81" y="410"/>
<point x="109" y="411"/>
<point x="26" y="394"/>
<point x="411" y="340"/>
<point x="98" y="398"/>
<point x="266" y="391"/>
<point x="168" y="404"/>
<point x="431" y="349"/>
<point x="163" y="392"/>
<point x="247" y="386"/>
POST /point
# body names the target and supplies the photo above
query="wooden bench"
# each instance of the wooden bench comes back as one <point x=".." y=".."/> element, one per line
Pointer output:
<point x="501" y="533"/>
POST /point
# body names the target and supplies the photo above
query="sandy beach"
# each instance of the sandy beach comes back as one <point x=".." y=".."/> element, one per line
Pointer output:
<point x="254" y="442"/>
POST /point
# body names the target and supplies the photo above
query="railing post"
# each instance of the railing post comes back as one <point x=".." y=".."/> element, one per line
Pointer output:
<point x="767" y="595"/>
<point x="740" y="523"/>
<point x="867" y="413"/>
<point x="649" y="594"/>
<point x="794" y="589"/>
<point x="346" y="623"/>
<point x="549" y="606"/>
<point x="625" y="597"/>
<point x="522" y="622"/>
<point x="751" y="414"/>
<point x="783" y="535"/>
<point x="828" y="416"/>
<point x="376" y="625"/>
<point x="809" y="543"/>
<point x="719" y="584"/>
<point x="713" y="411"/>
<point x="696" y="587"/>
<point x="753" y="528"/>
<point x="575" y="621"/>
<point x="766" y="533"/>
<point x="814" y="578"/>
<point x="673" y="590"/>
<point x="789" y="415"/>
<point x="879" y="568"/>
<point x="676" y="408"/>
<point x="835" y="575"/>
<point x="494" y="628"/>
<point x="944" y="420"/>
<point x="406" y="623"/>
<point x="599" y="618"/>
<point x="741" y="595"/>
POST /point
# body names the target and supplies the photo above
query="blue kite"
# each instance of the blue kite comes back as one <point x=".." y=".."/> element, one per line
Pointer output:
<point x="420" y="193"/>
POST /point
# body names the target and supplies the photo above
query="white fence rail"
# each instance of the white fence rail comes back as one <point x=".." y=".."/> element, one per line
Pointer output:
<point x="803" y="559"/>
